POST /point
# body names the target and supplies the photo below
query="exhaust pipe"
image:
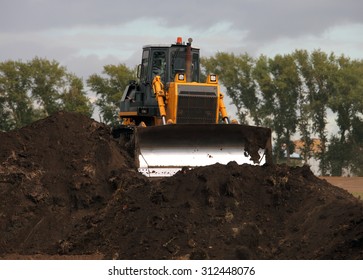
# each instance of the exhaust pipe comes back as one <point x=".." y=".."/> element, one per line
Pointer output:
<point x="188" y="61"/>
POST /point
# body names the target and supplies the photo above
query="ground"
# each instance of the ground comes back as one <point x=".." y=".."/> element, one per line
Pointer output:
<point x="353" y="185"/>
<point x="71" y="191"/>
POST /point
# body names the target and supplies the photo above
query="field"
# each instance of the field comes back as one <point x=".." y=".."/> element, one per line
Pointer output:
<point x="354" y="185"/>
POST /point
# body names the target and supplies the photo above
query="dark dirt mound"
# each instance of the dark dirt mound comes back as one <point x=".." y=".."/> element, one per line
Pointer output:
<point x="68" y="188"/>
<point x="52" y="174"/>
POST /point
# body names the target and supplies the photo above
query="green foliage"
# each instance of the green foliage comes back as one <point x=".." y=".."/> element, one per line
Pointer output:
<point x="292" y="94"/>
<point x="235" y="72"/>
<point x="109" y="88"/>
<point x="337" y="156"/>
<point x="304" y="119"/>
<point x="16" y="103"/>
<point x="34" y="89"/>
<point x="315" y="72"/>
<point x="356" y="141"/>
<point x="286" y="85"/>
<point x="48" y="80"/>
<point x="265" y="89"/>
<point x="74" y="98"/>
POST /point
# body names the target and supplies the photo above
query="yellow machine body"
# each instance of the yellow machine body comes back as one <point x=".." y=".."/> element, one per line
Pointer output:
<point x="178" y="121"/>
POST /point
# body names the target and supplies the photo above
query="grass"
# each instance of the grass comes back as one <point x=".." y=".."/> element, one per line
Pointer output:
<point x="358" y="195"/>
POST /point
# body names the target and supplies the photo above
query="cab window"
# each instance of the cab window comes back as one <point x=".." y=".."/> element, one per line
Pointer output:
<point x="159" y="65"/>
<point x="144" y="65"/>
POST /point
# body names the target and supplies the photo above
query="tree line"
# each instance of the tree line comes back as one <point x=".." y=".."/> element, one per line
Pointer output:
<point x="35" y="89"/>
<point x="293" y="94"/>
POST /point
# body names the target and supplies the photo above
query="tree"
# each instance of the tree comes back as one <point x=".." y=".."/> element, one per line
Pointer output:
<point x="337" y="156"/>
<point x="286" y="84"/>
<point x="266" y="88"/>
<point x="35" y="89"/>
<point x="319" y="95"/>
<point x="16" y="104"/>
<point x="235" y="73"/>
<point x="109" y="89"/>
<point x="346" y="100"/>
<point x="293" y="94"/>
<point x="48" y="81"/>
<point x="315" y="70"/>
<point x="356" y="141"/>
<point x="305" y="68"/>
<point x="248" y="94"/>
<point x="74" y="98"/>
<point x="263" y="90"/>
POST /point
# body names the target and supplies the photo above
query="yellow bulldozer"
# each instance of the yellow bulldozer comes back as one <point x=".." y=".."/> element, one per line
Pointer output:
<point x="174" y="121"/>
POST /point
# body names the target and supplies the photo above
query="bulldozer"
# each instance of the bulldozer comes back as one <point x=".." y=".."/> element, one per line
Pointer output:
<point x="174" y="121"/>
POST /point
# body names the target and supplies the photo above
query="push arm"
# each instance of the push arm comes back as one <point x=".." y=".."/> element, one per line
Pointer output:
<point x="158" y="89"/>
<point x="222" y="109"/>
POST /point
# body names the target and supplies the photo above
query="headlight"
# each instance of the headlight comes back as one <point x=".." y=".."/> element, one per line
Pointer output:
<point x="181" y="77"/>
<point x="212" y="78"/>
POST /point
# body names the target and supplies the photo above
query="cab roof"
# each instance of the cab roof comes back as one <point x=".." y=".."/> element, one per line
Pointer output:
<point x="165" y="46"/>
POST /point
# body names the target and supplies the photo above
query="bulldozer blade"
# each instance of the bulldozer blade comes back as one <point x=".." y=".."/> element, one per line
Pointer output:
<point x="161" y="151"/>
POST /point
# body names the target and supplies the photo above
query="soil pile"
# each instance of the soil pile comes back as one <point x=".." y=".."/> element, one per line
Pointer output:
<point x="67" y="187"/>
<point x="52" y="174"/>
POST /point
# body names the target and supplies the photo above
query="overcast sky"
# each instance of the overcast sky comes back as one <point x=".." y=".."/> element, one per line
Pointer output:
<point x="85" y="35"/>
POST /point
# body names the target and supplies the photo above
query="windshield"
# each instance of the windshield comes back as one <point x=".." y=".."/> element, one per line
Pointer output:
<point x="178" y="56"/>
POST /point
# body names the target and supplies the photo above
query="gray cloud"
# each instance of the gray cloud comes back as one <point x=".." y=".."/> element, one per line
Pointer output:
<point x="44" y="28"/>
<point x="264" y="19"/>
<point x="295" y="18"/>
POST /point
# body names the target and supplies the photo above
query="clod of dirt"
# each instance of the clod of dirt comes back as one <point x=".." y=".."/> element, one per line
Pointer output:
<point x="68" y="189"/>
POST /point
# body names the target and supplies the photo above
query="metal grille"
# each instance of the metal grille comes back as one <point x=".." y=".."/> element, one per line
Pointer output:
<point x="197" y="106"/>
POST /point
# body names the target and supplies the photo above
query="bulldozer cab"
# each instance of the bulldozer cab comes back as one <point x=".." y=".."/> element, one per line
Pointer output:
<point x="138" y="103"/>
<point x="166" y="62"/>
